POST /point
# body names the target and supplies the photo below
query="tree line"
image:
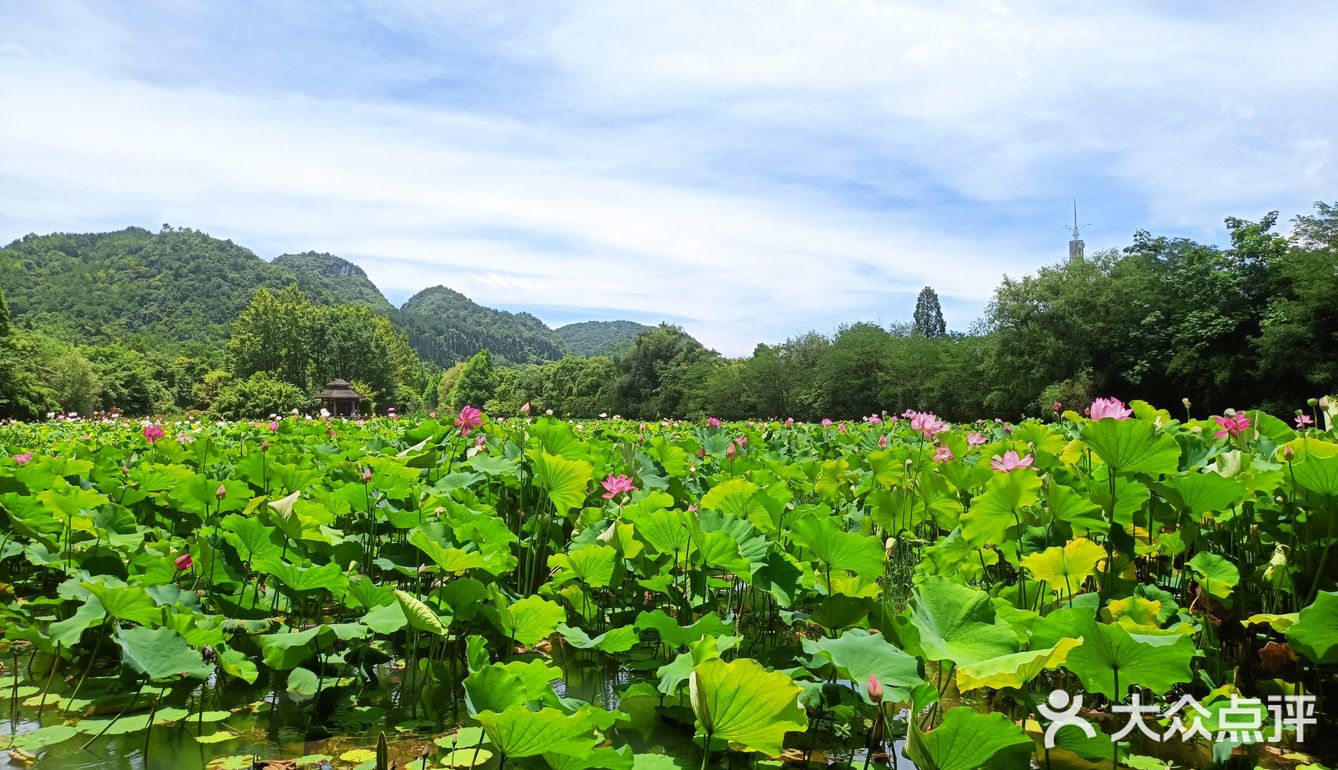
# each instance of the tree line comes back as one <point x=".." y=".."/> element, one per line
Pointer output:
<point x="1250" y="324"/>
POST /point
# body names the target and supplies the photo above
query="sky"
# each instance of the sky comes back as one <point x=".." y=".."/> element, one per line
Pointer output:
<point x="748" y="170"/>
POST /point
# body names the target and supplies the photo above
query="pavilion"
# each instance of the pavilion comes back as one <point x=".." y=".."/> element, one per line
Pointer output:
<point x="340" y="400"/>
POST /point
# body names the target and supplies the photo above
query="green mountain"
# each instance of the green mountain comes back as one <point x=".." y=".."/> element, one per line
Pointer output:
<point x="332" y="280"/>
<point x="181" y="286"/>
<point x="175" y="285"/>
<point x="445" y="326"/>
<point x="600" y="338"/>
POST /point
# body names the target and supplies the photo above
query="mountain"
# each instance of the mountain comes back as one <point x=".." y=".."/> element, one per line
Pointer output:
<point x="332" y="280"/>
<point x="445" y="326"/>
<point x="600" y="338"/>
<point x="180" y="286"/>
<point x="177" y="285"/>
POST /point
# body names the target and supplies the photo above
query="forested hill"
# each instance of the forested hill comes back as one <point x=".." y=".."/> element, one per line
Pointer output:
<point x="445" y="326"/>
<point x="180" y="286"/>
<point x="334" y="281"/>
<point x="600" y="338"/>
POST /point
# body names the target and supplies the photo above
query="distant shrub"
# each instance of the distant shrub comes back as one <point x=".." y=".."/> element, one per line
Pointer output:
<point x="259" y="395"/>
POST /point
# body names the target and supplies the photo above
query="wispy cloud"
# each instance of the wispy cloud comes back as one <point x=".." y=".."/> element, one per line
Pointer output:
<point x="748" y="169"/>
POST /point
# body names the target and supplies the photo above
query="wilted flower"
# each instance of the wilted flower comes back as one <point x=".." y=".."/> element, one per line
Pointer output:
<point x="875" y="689"/>
<point x="701" y="452"/>
<point x="1233" y="425"/>
<point x="23" y="458"/>
<point x="184" y="562"/>
<point x="1109" y="407"/>
<point x="481" y="439"/>
<point x="185" y="438"/>
<point x="1009" y="462"/>
<point x="1304" y="421"/>
<point x="152" y="433"/>
<point x="943" y="455"/>
<point x="617" y="485"/>
<point x="975" y="439"/>
<point x="469" y="419"/>
<point x="713" y="422"/>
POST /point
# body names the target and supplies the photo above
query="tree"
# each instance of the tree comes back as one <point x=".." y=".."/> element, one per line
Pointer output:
<point x="74" y="382"/>
<point x="259" y="395"/>
<point x="477" y="381"/>
<point x="657" y="373"/>
<point x="446" y="385"/>
<point x="928" y="319"/>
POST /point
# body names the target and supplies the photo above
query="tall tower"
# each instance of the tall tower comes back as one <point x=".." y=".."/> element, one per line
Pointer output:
<point x="1075" y="241"/>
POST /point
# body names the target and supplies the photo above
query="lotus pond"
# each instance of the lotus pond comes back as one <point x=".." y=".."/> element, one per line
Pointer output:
<point x="1143" y="590"/>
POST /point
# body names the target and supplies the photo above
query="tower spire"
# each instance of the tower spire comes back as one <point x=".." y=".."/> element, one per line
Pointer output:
<point x="1076" y="244"/>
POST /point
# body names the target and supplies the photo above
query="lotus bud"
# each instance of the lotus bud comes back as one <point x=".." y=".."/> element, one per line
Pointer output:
<point x="1185" y="401"/>
<point x="875" y="689"/>
<point x="184" y="562"/>
<point x="366" y="475"/>
<point x="1288" y="453"/>
<point x="525" y="409"/>
<point x="890" y="546"/>
<point x="264" y="446"/>
<point x="1312" y="402"/>
<point x="221" y="492"/>
<point x="730" y="451"/>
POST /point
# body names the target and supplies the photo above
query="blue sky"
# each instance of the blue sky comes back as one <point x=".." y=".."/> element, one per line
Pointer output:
<point x="750" y="170"/>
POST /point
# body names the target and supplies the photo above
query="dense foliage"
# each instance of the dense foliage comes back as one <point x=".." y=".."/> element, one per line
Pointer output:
<point x="600" y="338"/>
<point x="445" y="327"/>
<point x="812" y="591"/>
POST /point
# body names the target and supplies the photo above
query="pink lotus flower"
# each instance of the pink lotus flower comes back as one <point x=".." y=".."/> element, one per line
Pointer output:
<point x="273" y="425"/>
<point x="480" y="440"/>
<point x="928" y="424"/>
<point x="742" y="441"/>
<point x="789" y="422"/>
<point x="184" y="562"/>
<point x="875" y="689"/>
<point x="1304" y="421"/>
<point x="1233" y="425"/>
<point x="1109" y="407"/>
<point x="882" y="441"/>
<point x="185" y="438"/>
<point x="713" y="422"/>
<point x="975" y="439"/>
<point x="826" y="423"/>
<point x="152" y="433"/>
<point x="873" y="419"/>
<point x="1009" y="462"/>
<point x="469" y="419"/>
<point x="1057" y="406"/>
<point x="943" y="455"/>
<point x="617" y="485"/>
<point x="23" y="458"/>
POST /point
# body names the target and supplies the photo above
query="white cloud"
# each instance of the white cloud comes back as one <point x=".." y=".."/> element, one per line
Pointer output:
<point x="752" y="169"/>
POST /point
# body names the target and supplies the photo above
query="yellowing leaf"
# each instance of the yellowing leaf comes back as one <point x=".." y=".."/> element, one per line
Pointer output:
<point x="1066" y="568"/>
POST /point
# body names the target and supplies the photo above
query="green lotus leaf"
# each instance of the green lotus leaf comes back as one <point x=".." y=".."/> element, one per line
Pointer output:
<point x="608" y="758"/>
<point x="593" y="564"/>
<point x="1207" y="492"/>
<point x="302" y="684"/>
<point x="1013" y="670"/>
<point x="1132" y="446"/>
<point x="1112" y="659"/>
<point x="1076" y="509"/>
<point x="1315" y="633"/>
<point x="493" y="688"/>
<point x="999" y="508"/>
<point x="161" y="655"/>
<point x="969" y="740"/>
<point x="1314" y="466"/>
<point x="564" y="480"/>
<point x="130" y="603"/>
<point x="236" y="663"/>
<point x="284" y="650"/>
<point x="736" y="497"/>
<point x="619" y="639"/>
<point x="447" y="558"/>
<point x="859" y="654"/>
<point x="530" y="619"/>
<point x="674" y="635"/>
<point x="386" y="619"/>
<point x="743" y="703"/>
<point x="838" y="549"/>
<point x="43" y="738"/>
<point x="958" y="624"/>
<point x="420" y="616"/>
<point x="1065" y="569"/>
<point x="518" y="732"/>
<point x="668" y="532"/>
<point x="1217" y="575"/>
